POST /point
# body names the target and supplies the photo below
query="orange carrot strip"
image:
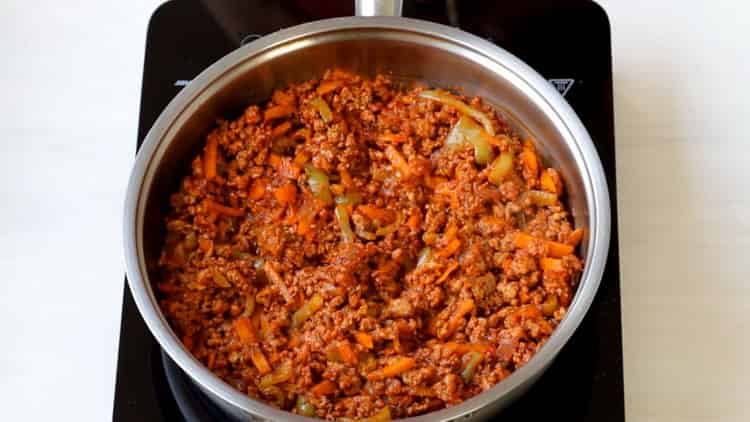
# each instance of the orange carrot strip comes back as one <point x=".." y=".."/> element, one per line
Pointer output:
<point x="550" y="181"/>
<point x="393" y="137"/>
<point x="395" y="367"/>
<point x="346" y="178"/>
<point x="306" y="217"/>
<point x="323" y="388"/>
<point x="398" y="161"/>
<point x="301" y="158"/>
<point x="558" y="250"/>
<point x="223" y="209"/>
<point x="374" y="213"/>
<point x="347" y="353"/>
<point x="286" y="194"/>
<point x="463" y="348"/>
<point x="328" y="86"/>
<point x="205" y="244"/>
<point x="523" y="240"/>
<point x="245" y="330"/>
<point x="257" y="189"/>
<point x="278" y="111"/>
<point x="449" y="249"/>
<point x="451" y="267"/>
<point x="281" y="129"/>
<point x="259" y="360"/>
<point x="187" y="341"/>
<point x="413" y="221"/>
<point x="554" y="249"/>
<point x="210" y="157"/>
<point x="575" y="237"/>
<point x="551" y="264"/>
<point x="364" y="339"/>
<point x="274" y="160"/>
<point x="282" y="98"/>
<point x="530" y="162"/>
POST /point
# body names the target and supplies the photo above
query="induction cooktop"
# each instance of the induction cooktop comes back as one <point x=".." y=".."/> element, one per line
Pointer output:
<point x="567" y="41"/>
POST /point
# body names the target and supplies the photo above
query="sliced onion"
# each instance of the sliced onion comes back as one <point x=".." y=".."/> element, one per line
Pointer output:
<point x="342" y="217"/>
<point x="425" y="255"/>
<point x="323" y="109"/>
<point x="349" y="198"/>
<point x="471" y="366"/>
<point x="319" y="184"/>
<point x="468" y="131"/>
<point x="385" y="231"/>
<point x="448" y="99"/>
<point x="281" y="374"/>
<point x="364" y="234"/>
<point x="501" y="167"/>
<point x="541" y="198"/>
<point x="304" y="408"/>
<point x="307" y="310"/>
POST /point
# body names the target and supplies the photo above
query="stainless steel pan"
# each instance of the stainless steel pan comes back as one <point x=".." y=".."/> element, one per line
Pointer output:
<point x="409" y="50"/>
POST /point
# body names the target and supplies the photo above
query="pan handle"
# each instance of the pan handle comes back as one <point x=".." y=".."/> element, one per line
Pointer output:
<point x="378" y="7"/>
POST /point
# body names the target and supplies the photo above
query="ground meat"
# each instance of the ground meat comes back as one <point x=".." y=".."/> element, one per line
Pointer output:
<point x="329" y="253"/>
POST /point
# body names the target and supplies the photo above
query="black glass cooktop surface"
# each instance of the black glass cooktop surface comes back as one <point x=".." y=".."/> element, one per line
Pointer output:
<point x="567" y="41"/>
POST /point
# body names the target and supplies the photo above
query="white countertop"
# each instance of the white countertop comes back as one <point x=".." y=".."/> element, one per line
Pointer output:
<point x="70" y="89"/>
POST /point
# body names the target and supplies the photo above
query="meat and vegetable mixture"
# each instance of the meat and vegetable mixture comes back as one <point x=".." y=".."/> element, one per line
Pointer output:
<point x="356" y="250"/>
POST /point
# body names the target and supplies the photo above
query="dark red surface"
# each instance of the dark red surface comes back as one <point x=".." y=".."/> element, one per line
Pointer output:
<point x="566" y="39"/>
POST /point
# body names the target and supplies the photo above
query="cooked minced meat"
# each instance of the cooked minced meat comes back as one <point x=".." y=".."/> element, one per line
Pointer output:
<point x="356" y="249"/>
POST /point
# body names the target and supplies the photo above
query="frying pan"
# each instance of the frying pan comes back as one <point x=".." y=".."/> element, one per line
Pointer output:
<point x="375" y="41"/>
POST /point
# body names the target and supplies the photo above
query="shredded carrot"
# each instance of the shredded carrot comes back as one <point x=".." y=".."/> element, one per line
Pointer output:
<point x="323" y="388"/>
<point x="245" y="330"/>
<point x="259" y="360"/>
<point x="395" y="367"/>
<point x="286" y="194"/>
<point x="449" y="249"/>
<point x="205" y="244"/>
<point x="328" y="86"/>
<point x="301" y="158"/>
<point x="347" y="353"/>
<point x="550" y="181"/>
<point x="558" y="250"/>
<point x="346" y="178"/>
<point x="374" y="213"/>
<point x="529" y="161"/>
<point x="554" y="249"/>
<point x="398" y="161"/>
<point x="575" y="237"/>
<point x="551" y="264"/>
<point x="306" y="216"/>
<point x="451" y="267"/>
<point x="395" y="138"/>
<point x="257" y="189"/>
<point x="278" y="111"/>
<point x="463" y="348"/>
<point x="413" y="221"/>
<point x="364" y="339"/>
<point x="282" y="98"/>
<point x="210" y="157"/>
<point x="281" y="129"/>
<point x="302" y="134"/>
<point x="223" y="209"/>
<point x="337" y="189"/>
<point x="274" y="160"/>
<point x="523" y="240"/>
